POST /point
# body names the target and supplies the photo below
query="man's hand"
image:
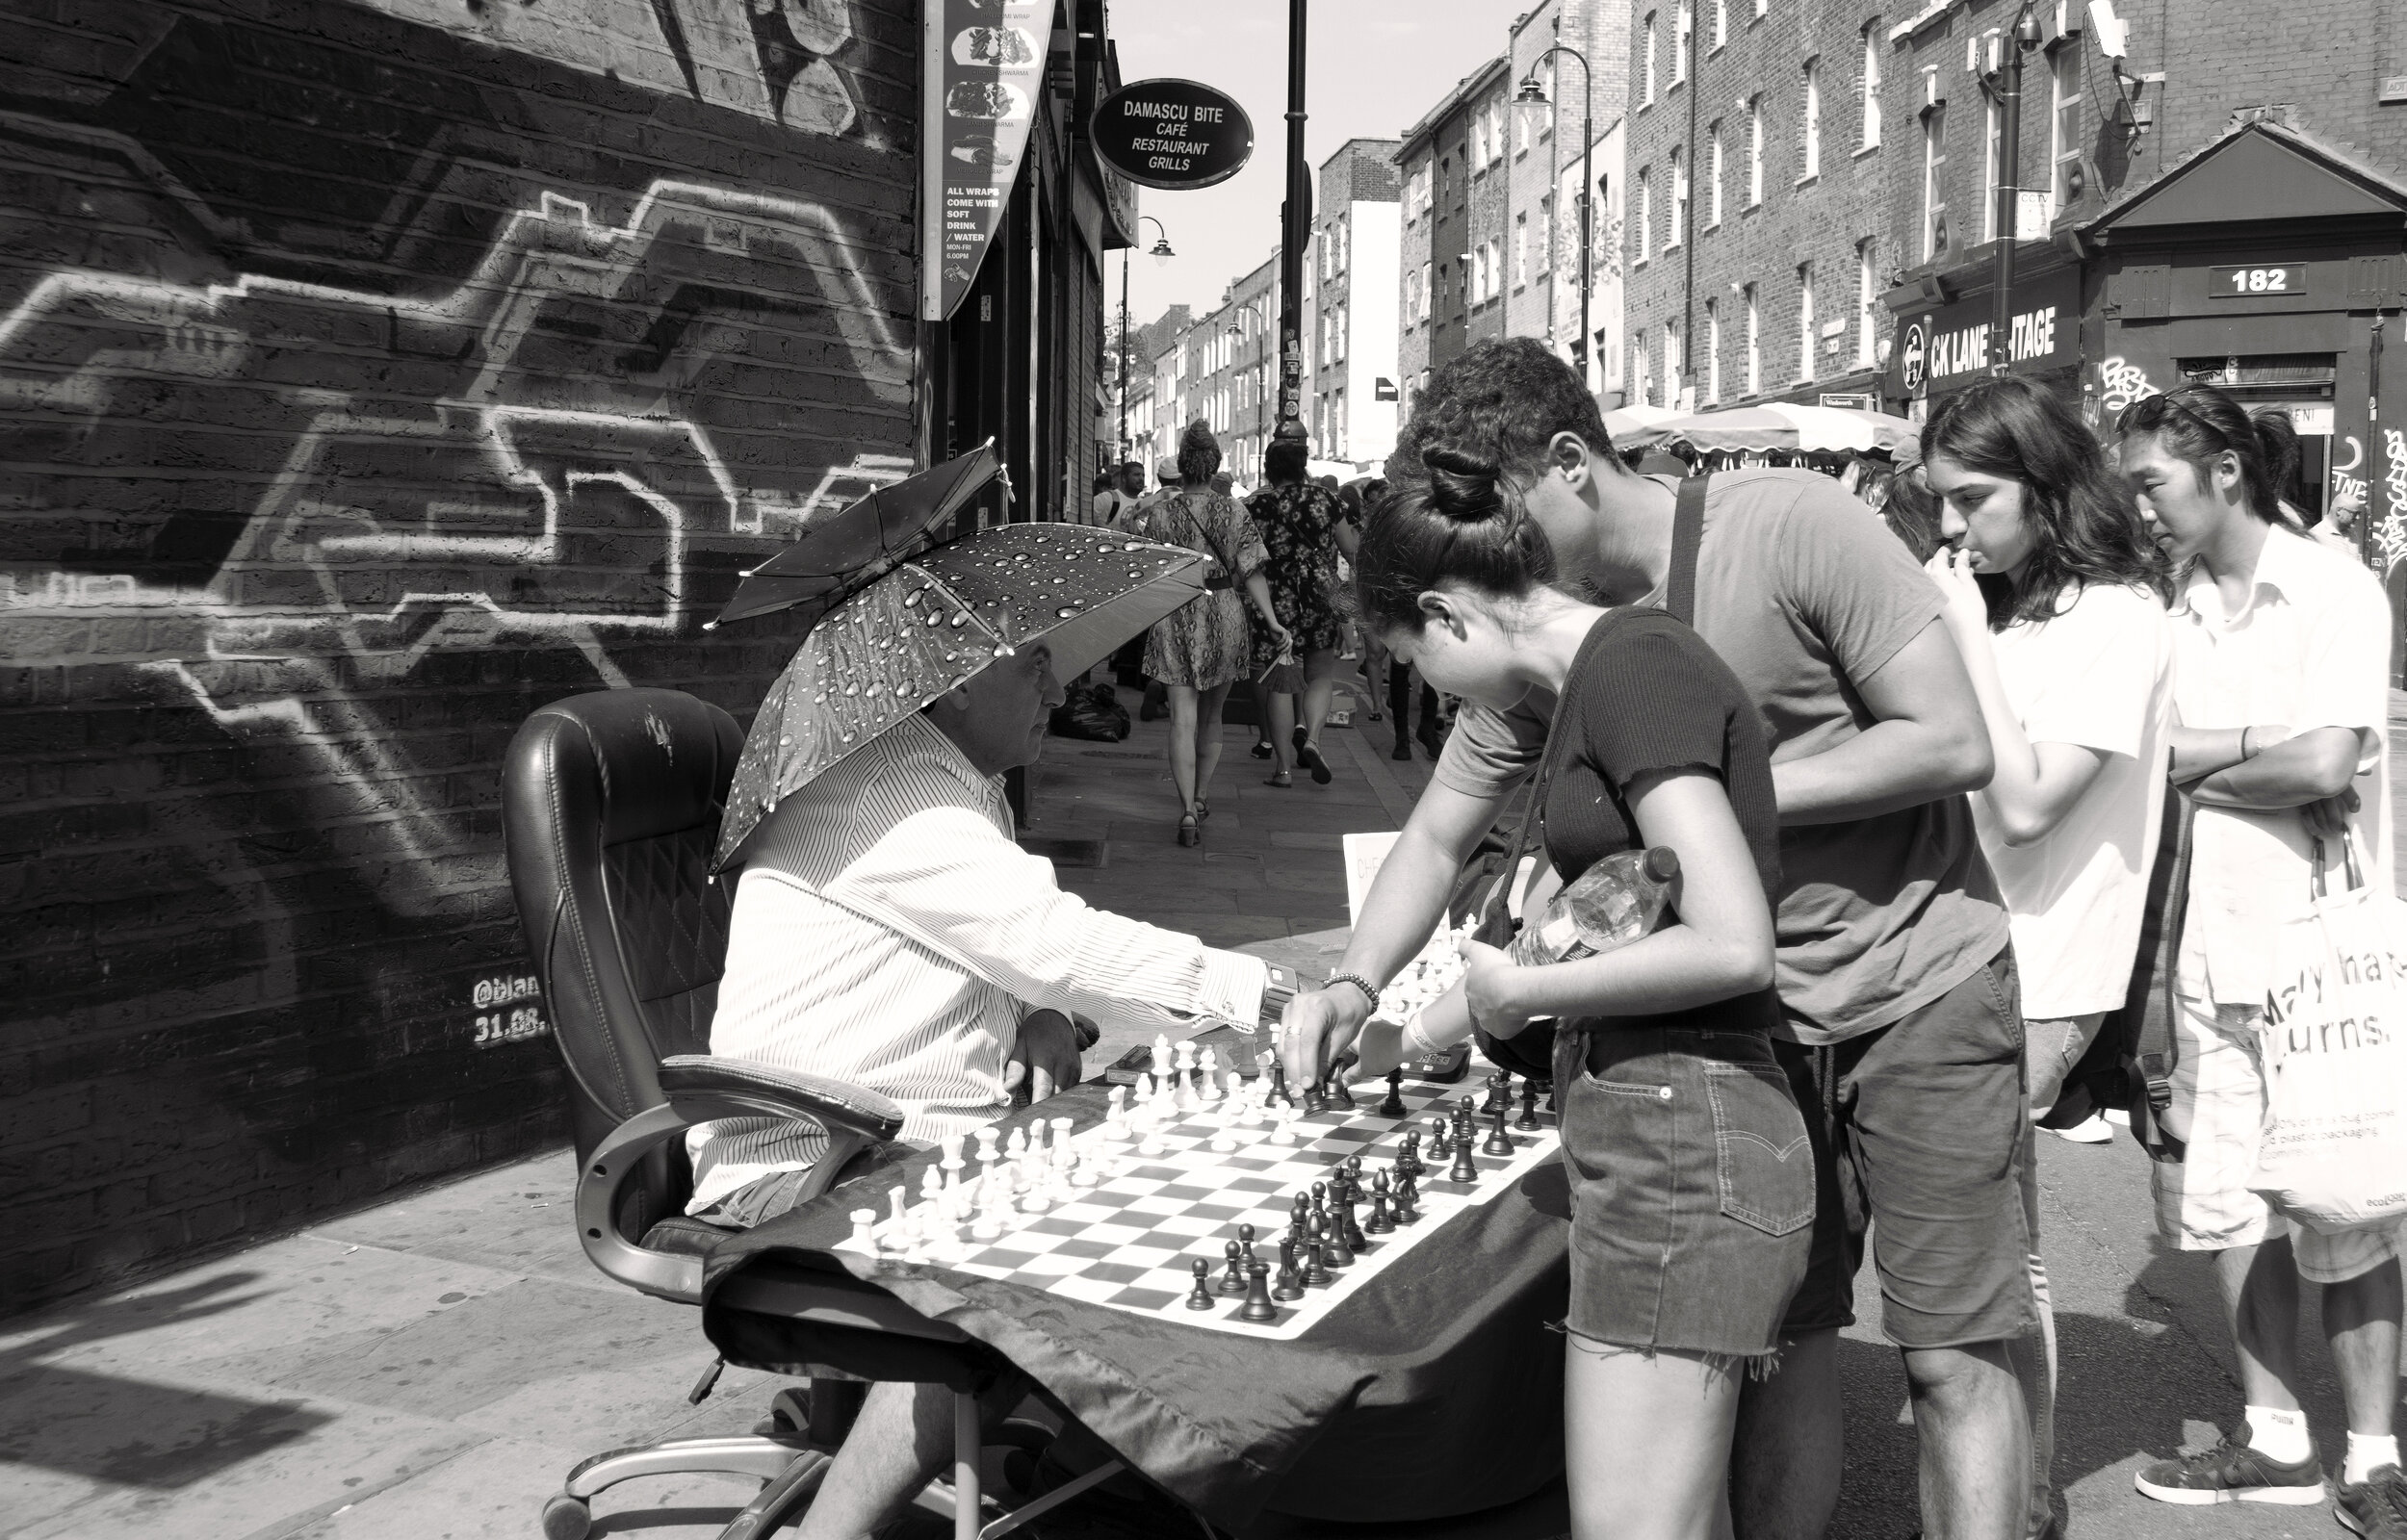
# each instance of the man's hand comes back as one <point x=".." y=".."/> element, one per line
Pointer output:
<point x="1046" y="1059"/>
<point x="1488" y="979"/>
<point x="1316" y="1029"/>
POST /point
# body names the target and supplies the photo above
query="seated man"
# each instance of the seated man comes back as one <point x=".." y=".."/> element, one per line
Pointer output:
<point x="888" y="932"/>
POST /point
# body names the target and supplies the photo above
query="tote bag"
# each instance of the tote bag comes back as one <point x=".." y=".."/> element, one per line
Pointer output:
<point x="2333" y="1153"/>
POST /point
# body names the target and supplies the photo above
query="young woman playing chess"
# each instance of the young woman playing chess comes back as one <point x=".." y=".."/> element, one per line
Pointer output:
<point x="1690" y="1190"/>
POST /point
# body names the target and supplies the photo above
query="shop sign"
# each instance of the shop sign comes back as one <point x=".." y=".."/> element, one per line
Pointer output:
<point x="1950" y="345"/>
<point x="2252" y="283"/>
<point x="1850" y="400"/>
<point x="1175" y="134"/>
<point x="984" y="68"/>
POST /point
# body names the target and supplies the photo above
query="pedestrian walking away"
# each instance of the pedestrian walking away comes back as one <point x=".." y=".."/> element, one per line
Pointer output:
<point x="1199" y="650"/>
<point x="2280" y="708"/>
<point x="2055" y="600"/>
<point x="1304" y="531"/>
<point x="1899" y="1029"/>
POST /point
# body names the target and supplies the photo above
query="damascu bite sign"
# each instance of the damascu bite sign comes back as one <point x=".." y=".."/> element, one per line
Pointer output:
<point x="1175" y="135"/>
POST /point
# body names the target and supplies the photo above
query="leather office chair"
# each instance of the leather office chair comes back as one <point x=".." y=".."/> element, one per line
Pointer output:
<point x="610" y="809"/>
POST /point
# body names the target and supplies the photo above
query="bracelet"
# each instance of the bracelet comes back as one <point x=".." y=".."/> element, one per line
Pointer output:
<point x="1370" y="994"/>
<point x="2243" y="743"/>
<point x="1415" y="1038"/>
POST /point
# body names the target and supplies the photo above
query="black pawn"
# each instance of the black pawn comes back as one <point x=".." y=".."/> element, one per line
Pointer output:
<point x="1408" y="1158"/>
<point x="1338" y="1095"/>
<point x="1335" y="1250"/>
<point x="1527" y="1122"/>
<point x="1407" y="1209"/>
<point x="1257" y="1306"/>
<point x="1201" y="1297"/>
<point x="1232" y="1281"/>
<point x="1466" y="1169"/>
<point x="1380" y="1221"/>
<point x="1316" y="1265"/>
<point x="1499" y="1093"/>
<point x="1245" y="1241"/>
<point x="1346" y="1225"/>
<point x="1314" y="1101"/>
<point x="1438" y="1148"/>
<point x="1320" y="1199"/>
<point x="1297" y="1214"/>
<point x="1393" y="1105"/>
<point x="1290" y="1285"/>
<point x="1498" y="1141"/>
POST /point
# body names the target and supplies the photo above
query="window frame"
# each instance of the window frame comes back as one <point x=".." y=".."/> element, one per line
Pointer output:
<point x="1755" y="151"/>
<point x="1713" y="353"/>
<point x="1868" y="132"/>
<point x="1867" y="297"/>
<point x="1754" y="341"/>
<point x="1810" y="112"/>
<point x="1646" y="77"/>
<point x="2064" y="148"/>
<point x="1805" y="322"/>
<point x="1713" y="187"/>
<point x="1934" y="124"/>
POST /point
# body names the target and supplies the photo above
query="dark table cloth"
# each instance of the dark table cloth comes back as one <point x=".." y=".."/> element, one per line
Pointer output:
<point x="1434" y="1390"/>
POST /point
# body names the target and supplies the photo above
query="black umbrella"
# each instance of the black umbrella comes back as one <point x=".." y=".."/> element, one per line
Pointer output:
<point x="844" y="553"/>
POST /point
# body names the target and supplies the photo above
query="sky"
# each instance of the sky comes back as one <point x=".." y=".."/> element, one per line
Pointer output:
<point x="1373" y="67"/>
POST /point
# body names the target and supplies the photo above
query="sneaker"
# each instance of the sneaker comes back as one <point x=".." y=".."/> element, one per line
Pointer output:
<point x="2091" y="1130"/>
<point x="2118" y="1117"/>
<point x="2376" y="1506"/>
<point x="2232" y="1472"/>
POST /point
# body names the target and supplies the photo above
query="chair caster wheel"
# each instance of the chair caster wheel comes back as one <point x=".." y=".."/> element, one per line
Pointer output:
<point x="566" y="1518"/>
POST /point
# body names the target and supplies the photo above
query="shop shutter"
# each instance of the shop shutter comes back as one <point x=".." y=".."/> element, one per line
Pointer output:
<point x="2144" y="291"/>
<point x="2377" y="281"/>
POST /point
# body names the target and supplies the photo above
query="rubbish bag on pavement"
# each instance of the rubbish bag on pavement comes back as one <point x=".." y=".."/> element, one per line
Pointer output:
<point x="1091" y="711"/>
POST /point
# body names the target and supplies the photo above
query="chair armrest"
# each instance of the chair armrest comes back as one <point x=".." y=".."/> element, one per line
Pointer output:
<point x="704" y="1089"/>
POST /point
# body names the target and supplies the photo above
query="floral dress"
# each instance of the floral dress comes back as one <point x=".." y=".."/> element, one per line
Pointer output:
<point x="1299" y="524"/>
<point x="1203" y="642"/>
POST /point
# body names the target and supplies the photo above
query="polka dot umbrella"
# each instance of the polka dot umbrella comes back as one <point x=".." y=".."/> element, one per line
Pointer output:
<point x="932" y="622"/>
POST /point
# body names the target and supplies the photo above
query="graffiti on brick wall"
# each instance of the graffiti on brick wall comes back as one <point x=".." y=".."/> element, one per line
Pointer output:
<point x="456" y="472"/>
<point x="769" y="59"/>
<point x="2121" y="382"/>
<point x="2390" y="532"/>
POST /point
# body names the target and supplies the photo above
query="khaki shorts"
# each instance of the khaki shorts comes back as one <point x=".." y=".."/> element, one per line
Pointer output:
<point x="2204" y="1202"/>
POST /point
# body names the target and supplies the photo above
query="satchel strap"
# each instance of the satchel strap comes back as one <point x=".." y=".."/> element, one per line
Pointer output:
<point x="2157" y="1053"/>
<point x="1688" y="537"/>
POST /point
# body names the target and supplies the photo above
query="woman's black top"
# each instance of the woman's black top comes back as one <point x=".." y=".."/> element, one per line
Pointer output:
<point x="1645" y="695"/>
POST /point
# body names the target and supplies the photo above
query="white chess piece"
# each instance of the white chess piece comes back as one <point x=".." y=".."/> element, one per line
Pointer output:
<point x="1161" y="1054"/>
<point x="1224" y="1136"/>
<point x="989" y="1141"/>
<point x="1208" y="1076"/>
<point x="1116" y="1116"/>
<point x="1284" y="1132"/>
<point x="863" y="1221"/>
<point x="989" y="1224"/>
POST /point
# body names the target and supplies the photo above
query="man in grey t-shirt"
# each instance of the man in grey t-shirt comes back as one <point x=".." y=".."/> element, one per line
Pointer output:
<point x="1901" y="1040"/>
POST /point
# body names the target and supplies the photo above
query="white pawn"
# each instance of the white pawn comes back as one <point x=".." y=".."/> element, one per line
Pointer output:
<point x="894" y="1238"/>
<point x="1161" y="1054"/>
<point x="1116" y="1116"/>
<point x="1207" y="1080"/>
<point x="1284" y="1131"/>
<point x="1225" y="1137"/>
<point x="1150" y="1143"/>
<point x="989" y="1224"/>
<point x="988" y="1143"/>
<point x="862" y="1222"/>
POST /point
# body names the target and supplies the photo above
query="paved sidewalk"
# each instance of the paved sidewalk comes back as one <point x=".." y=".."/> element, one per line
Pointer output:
<point x="430" y="1368"/>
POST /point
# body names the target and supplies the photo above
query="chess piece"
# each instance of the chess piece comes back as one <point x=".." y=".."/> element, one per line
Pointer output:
<point x="1497" y="1093"/>
<point x="1341" y="1097"/>
<point x="1316" y="1265"/>
<point x="1332" y="1235"/>
<point x="1527" y="1122"/>
<point x="1380" y="1221"/>
<point x="1232" y="1281"/>
<point x="1279" y="1082"/>
<point x="1201" y="1297"/>
<point x="862" y="1220"/>
<point x="1284" y="1133"/>
<point x="993" y="1206"/>
<point x="1257" y="1306"/>
<point x="1162" y="1054"/>
<point x="1299" y="1215"/>
<point x="1392" y="1106"/>
<point x="1225" y="1135"/>
<point x="1498" y="1141"/>
<point x="1465" y="1170"/>
<point x="1346" y="1226"/>
<point x="1407" y="1209"/>
<point x="1208" y="1076"/>
<point x="1245" y="1241"/>
<point x="1409" y="1155"/>
<point x="1438" y="1148"/>
<point x="1316" y="1099"/>
<point x="990" y="1141"/>
<point x="1320" y="1198"/>
<point x="1290" y="1285"/>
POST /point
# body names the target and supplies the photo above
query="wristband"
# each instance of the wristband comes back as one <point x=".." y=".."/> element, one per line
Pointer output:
<point x="2243" y="744"/>
<point x="1417" y="1040"/>
<point x="1370" y="994"/>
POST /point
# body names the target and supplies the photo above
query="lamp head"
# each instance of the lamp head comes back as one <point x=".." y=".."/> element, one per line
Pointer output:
<point x="1162" y="253"/>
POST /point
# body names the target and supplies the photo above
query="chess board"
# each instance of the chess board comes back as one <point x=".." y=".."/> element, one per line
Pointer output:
<point x="1130" y="1240"/>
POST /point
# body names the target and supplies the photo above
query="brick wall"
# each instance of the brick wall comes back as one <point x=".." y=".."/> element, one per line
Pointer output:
<point x="369" y="374"/>
<point x="1821" y="220"/>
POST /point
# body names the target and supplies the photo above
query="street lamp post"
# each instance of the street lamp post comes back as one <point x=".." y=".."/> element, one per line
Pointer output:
<point x="1531" y="92"/>
<point x="1295" y="222"/>
<point x="1162" y="255"/>
<point x="2022" y="39"/>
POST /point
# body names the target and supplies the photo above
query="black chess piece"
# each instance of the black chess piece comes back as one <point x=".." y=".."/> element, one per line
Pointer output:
<point x="1499" y="1093"/>
<point x="1257" y="1306"/>
<point x="1278" y="1082"/>
<point x="1341" y="1097"/>
<point x="1527" y="1122"/>
<point x="1380" y="1221"/>
<point x="1232" y="1281"/>
<point x="1297" y="1213"/>
<point x="1465" y="1170"/>
<point x="1409" y="1157"/>
<point x="1392" y="1104"/>
<point x="1346" y="1225"/>
<point x="1497" y="1142"/>
<point x="1315" y="1099"/>
<point x="1407" y="1209"/>
<point x="1201" y="1297"/>
<point x="1320" y="1199"/>
<point x="1438" y="1148"/>
<point x="1332" y="1235"/>
<point x="1245" y="1241"/>
<point x="1316" y="1266"/>
<point x="1290" y="1285"/>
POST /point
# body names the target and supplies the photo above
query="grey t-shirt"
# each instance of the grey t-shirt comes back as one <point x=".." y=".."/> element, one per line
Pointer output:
<point x="1801" y="589"/>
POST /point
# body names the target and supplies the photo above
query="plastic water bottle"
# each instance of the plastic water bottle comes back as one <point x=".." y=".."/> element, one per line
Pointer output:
<point x="1611" y="904"/>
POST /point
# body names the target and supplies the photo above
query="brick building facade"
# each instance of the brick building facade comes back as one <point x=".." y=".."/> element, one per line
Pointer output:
<point x="1351" y="291"/>
<point x="372" y="371"/>
<point x="1446" y="245"/>
<point x="1543" y="238"/>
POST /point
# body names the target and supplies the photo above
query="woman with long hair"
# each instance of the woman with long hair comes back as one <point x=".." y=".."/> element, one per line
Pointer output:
<point x="2280" y="747"/>
<point x="1303" y="528"/>
<point x="1690" y="1231"/>
<point x="2054" y="600"/>
<point x="1199" y="649"/>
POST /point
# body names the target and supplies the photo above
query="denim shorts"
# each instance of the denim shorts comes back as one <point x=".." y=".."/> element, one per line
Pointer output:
<point x="1692" y="1188"/>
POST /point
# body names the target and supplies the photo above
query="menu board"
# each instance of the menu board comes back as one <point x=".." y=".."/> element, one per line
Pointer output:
<point x="984" y="63"/>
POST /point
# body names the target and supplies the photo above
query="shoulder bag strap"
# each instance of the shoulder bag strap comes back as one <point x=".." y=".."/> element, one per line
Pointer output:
<point x="2153" y="998"/>
<point x="1495" y="917"/>
<point x="1688" y="535"/>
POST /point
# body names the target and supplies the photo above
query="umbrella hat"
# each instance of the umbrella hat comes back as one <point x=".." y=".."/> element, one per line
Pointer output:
<point x="934" y="621"/>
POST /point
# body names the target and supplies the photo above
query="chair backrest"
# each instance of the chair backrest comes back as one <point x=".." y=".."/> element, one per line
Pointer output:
<point x="610" y="807"/>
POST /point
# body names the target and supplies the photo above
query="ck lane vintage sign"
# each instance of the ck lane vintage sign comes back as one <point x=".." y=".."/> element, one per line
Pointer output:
<point x="1940" y="349"/>
<point x="985" y="59"/>
<point x="1175" y="134"/>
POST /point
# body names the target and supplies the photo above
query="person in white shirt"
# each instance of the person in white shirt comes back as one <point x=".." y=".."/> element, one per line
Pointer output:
<point x="887" y="930"/>
<point x="1116" y="491"/>
<point x="2051" y="583"/>
<point x="2280" y="658"/>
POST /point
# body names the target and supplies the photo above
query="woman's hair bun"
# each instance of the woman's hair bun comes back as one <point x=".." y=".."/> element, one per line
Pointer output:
<point x="1464" y="487"/>
<point x="1198" y="435"/>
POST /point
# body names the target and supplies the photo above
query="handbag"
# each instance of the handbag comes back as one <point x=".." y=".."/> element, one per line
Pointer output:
<point x="1532" y="1051"/>
<point x="2333" y="1151"/>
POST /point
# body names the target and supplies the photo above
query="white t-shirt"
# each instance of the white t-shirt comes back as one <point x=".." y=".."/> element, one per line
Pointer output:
<point x="2311" y="649"/>
<point x="2100" y="676"/>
